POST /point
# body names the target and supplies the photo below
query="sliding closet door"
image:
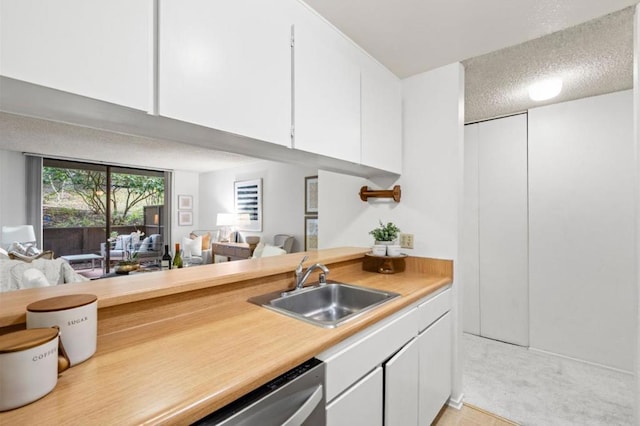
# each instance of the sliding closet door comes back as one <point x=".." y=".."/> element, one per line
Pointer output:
<point x="583" y="293"/>
<point x="502" y="229"/>
<point x="469" y="257"/>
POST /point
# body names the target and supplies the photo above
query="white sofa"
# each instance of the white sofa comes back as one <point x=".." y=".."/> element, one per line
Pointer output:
<point x="18" y="274"/>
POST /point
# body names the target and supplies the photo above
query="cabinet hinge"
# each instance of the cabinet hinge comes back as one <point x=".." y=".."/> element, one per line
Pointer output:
<point x="293" y="40"/>
<point x="293" y="131"/>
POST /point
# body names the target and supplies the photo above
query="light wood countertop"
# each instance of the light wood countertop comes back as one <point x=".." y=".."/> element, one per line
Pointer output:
<point x="174" y="346"/>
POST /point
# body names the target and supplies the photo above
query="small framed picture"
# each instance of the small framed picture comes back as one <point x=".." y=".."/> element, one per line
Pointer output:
<point x="310" y="233"/>
<point x="185" y="218"/>
<point x="185" y="202"/>
<point x="248" y="204"/>
<point x="311" y="195"/>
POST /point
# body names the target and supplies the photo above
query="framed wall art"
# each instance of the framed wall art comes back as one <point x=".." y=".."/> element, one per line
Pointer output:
<point x="311" y="195"/>
<point x="185" y="218"/>
<point x="185" y="202"/>
<point x="310" y="233"/>
<point x="248" y="204"/>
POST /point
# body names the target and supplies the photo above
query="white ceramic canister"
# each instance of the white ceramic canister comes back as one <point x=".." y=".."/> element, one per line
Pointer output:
<point x="77" y="317"/>
<point x="29" y="366"/>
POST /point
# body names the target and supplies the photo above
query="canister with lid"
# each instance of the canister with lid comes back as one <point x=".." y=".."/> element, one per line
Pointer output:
<point x="29" y="364"/>
<point x="77" y="317"/>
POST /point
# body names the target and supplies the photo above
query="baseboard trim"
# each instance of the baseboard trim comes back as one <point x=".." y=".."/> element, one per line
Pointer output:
<point x="606" y="367"/>
<point x="456" y="402"/>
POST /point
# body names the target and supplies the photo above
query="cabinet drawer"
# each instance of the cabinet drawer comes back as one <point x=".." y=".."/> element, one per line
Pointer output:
<point x="348" y="361"/>
<point x="433" y="309"/>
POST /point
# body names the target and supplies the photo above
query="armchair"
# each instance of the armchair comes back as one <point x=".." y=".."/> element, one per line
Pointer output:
<point x="283" y="241"/>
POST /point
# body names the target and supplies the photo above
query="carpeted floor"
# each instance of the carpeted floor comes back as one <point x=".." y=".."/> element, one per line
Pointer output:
<point x="533" y="388"/>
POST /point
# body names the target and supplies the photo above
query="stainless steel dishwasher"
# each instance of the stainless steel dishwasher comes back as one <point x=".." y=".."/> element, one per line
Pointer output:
<point x="292" y="399"/>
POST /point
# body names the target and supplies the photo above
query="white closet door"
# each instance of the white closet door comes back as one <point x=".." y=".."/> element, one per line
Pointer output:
<point x="502" y="224"/>
<point x="583" y="293"/>
<point x="469" y="270"/>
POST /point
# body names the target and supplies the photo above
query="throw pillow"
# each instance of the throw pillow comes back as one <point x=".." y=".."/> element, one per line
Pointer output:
<point x="272" y="251"/>
<point x="192" y="247"/>
<point x="206" y="239"/>
<point x="16" y="247"/>
<point x="33" y="278"/>
<point x="144" y="245"/>
<point x="257" y="252"/>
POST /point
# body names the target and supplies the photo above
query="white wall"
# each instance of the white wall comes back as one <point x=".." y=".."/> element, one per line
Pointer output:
<point x="13" y="190"/>
<point x="283" y="188"/>
<point x="431" y="183"/>
<point x="184" y="183"/>
<point x="581" y="229"/>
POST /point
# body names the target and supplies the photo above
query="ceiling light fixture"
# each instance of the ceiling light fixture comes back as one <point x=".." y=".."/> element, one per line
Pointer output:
<point x="545" y="89"/>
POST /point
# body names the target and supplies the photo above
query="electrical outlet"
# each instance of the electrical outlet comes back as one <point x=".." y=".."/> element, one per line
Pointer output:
<point x="406" y="241"/>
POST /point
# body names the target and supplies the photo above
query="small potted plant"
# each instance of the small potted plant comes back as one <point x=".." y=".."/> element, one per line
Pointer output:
<point x="385" y="234"/>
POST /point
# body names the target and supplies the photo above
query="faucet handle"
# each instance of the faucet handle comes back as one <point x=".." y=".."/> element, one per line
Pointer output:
<point x="322" y="279"/>
<point x="299" y="267"/>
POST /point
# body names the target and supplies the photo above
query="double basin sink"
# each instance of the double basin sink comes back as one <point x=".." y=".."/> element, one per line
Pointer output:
<point x="327" y="305"/>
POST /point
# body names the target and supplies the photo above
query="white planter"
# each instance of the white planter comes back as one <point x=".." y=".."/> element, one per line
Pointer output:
<point x="383" y="248"/>
<point x="393" y="250"/>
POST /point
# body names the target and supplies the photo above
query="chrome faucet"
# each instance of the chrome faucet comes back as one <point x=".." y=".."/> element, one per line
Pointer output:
<point x="301" y="278"/>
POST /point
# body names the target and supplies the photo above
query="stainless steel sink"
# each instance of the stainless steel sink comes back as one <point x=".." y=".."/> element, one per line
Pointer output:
<point x="328" y="305"/>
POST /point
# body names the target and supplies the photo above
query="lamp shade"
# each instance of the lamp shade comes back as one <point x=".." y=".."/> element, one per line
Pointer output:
<point x="20" y="234"/>
<point x="225" y="219"/>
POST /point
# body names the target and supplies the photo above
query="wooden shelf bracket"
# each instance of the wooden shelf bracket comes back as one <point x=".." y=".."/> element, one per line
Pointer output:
<point x="366" y="193"/>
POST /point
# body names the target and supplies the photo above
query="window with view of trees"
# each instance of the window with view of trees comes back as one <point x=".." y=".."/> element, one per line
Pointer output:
<point x="84" y="204"/>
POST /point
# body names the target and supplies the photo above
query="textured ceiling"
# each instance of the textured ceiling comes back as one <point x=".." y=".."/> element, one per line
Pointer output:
<point x="25" y="134"/>
<point x="412" y="36"/>
<point x="591" y="58"/>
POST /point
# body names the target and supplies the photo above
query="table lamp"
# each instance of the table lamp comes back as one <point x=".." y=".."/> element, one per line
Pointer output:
<point x="225" y="221"/>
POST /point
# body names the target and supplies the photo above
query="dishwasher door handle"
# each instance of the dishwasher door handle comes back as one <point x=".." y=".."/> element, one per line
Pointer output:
<point x="305" y="409"/>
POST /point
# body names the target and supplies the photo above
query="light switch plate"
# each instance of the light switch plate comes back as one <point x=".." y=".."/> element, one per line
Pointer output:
<point x="406" y="241"/>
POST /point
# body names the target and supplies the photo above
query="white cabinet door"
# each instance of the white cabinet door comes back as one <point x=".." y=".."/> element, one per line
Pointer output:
<point x="360" y="405"/>
<point x="381" y="117"/>
<point x="326" y="90"/>
<point x="435" y="369"/>
<point x="99" y="49"/>
<point x="227" y="65"/>
<point x="503" y="229"/>
<point x="401" y="387"/>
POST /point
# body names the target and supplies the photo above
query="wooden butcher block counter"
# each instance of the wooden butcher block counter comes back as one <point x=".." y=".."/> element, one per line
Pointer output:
<point x="176" y="345"/>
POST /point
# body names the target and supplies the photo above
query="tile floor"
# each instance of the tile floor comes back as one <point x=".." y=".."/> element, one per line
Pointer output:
<point x="534" y="388"/>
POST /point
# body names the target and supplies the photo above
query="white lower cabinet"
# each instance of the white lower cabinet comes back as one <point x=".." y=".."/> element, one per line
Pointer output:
<point x="435" y="369"/>
<point x="401" y="386"/>
<point x="411" y="350"/>
<point x="360" y="405"/>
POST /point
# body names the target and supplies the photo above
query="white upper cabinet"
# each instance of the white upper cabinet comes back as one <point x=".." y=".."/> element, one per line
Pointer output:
<point x="326" y="89"/>
<point x="381" y="117"/>
<point x="227" y="65"/>
<point x="98" y="49"/>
